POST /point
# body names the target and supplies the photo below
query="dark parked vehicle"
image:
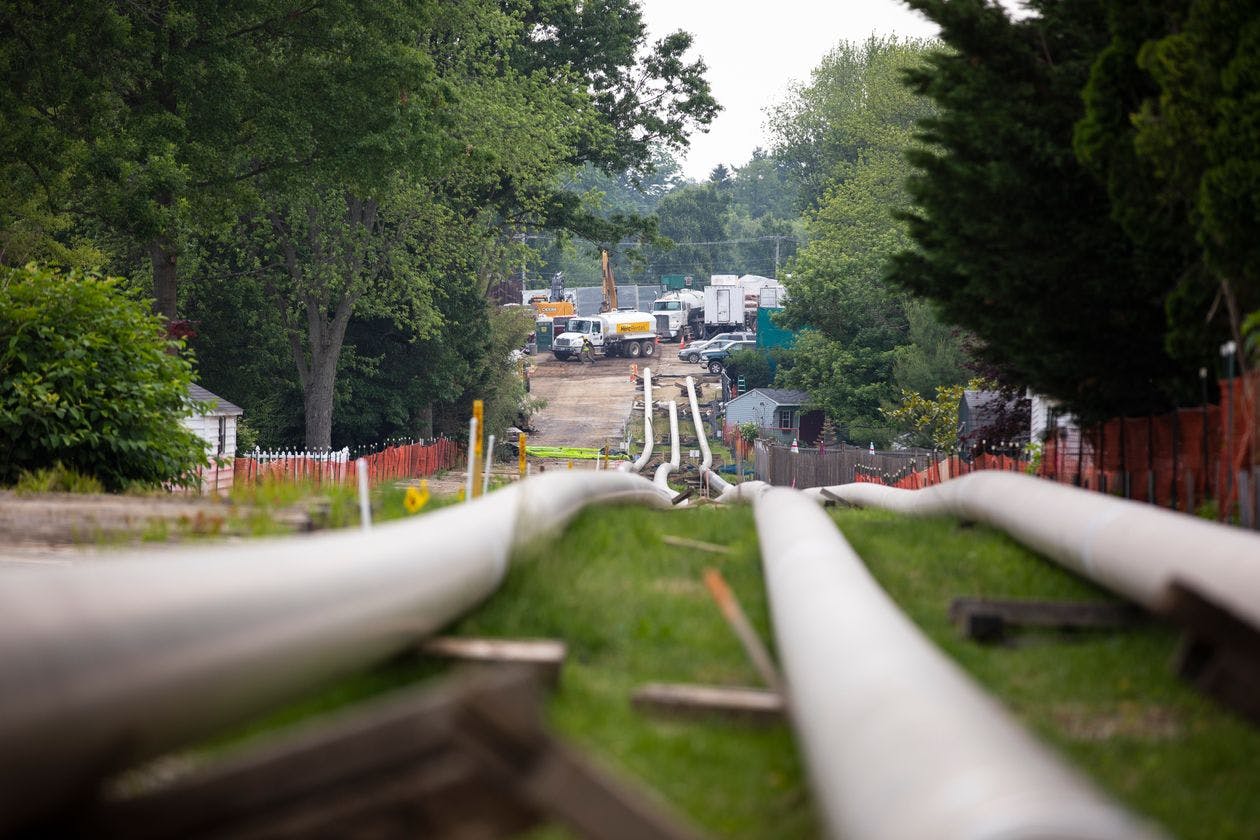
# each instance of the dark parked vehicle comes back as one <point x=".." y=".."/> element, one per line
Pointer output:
<point x="691" y="353"/>
<point x="715" y="357"/>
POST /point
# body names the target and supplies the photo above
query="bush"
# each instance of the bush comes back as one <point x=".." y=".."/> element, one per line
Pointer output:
<point x="753" y="365"/>
<point x="87" y="383"/>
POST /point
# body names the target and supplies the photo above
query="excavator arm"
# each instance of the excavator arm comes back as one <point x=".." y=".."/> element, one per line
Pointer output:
<point x="610" y="285"/>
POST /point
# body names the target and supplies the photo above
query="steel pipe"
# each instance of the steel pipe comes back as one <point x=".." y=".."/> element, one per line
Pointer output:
<point x="661" y="478"/>
<point x="648" y="433"/>
<point x="106" y="664"/>
<point x="898" y="742"/>
<point x="706" y="455"/>
<point x="1133" y="548"/>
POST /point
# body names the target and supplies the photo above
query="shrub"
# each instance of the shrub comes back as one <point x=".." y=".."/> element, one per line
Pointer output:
<point x="87" y="383"/>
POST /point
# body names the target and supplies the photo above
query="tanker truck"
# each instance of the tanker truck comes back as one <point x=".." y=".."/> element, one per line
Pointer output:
<point x="618" y="333"/>
<point x="676" y="312"/>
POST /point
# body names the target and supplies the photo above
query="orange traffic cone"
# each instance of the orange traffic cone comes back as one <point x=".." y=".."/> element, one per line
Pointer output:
<point x="682" y="340"/>
<point x="795" y="448"/>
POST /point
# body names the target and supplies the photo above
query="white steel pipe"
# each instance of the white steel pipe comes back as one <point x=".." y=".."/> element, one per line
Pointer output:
<point x="899" y="743"/>
<point x="473" y="431"/>
<point x="648" y="433"/>
<point x="1133" y="548"/>
<point x="706" y="455"/>
<point x="661" y="478"/>
<point x="485" y="482"/>
<point x="106" y="664"/>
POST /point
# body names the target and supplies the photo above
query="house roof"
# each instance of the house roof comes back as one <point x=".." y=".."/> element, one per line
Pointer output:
<point x="218" y="404"/>
<point x="778" y="396"/>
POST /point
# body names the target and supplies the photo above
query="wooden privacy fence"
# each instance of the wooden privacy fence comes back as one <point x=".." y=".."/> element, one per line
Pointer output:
<point x="842" y="464"/>
<point x="411" y="460"/>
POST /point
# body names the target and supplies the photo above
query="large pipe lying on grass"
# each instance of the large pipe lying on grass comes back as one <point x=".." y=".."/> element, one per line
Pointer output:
<point x="897" y="740"/>
<point x="1133" y="548"/>
<point x="706" y="455"/>
<point x="105" y="664"/>
<point x="648" y="433"/>
<point x="661" y="478"/>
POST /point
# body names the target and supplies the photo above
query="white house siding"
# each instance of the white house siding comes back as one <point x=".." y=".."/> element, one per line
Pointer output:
<point x="216" y="478"/>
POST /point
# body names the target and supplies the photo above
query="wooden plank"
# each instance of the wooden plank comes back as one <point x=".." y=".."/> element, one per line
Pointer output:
<point x="545" y="656"/>
<point x="987" y="619"/>
<point x="755" y="705"/>
<point x="468" y="759"/>
<point x="698" y="545"/>
<point x="1220" y="653"/>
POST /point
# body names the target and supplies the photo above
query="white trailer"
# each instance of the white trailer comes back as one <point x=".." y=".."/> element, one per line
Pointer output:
<point x="627" y="334"/>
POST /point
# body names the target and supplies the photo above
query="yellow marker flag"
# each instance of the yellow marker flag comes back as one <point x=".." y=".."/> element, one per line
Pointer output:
<point x="520" y="445"/>
<point x="417" y="497"/>
<point x="475" y="466"/>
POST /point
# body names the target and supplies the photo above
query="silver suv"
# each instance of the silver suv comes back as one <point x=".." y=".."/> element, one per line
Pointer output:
<point x="691" y="353"/>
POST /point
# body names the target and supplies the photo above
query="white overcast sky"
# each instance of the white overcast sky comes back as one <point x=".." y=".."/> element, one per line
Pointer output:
<point x="754" y="49"/>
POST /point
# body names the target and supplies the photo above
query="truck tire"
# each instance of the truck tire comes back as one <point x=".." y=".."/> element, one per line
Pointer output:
<point x="634" y="349"/>
<point x="564" y="357"/>
<point x="715" y="366"/>
<point x="649" y="348"/>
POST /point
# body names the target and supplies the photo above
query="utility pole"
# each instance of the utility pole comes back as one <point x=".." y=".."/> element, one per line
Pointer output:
<point x="777" y="240"/>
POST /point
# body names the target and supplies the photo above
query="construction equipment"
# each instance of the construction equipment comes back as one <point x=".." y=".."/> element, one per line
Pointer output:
<point x="609" y="303"/>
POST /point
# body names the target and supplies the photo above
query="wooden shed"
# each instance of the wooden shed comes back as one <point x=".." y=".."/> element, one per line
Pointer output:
<point x="216" y="425"/>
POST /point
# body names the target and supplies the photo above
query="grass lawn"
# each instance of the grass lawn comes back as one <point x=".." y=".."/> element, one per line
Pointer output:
<point x="633" y="609"/>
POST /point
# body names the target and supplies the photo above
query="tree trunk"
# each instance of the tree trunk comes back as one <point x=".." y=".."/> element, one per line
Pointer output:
<point x="317" y="398"/>
<point x="164" y="261"/>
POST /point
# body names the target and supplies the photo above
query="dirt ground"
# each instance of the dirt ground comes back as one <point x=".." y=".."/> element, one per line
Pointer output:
<point x="588" y="404"/>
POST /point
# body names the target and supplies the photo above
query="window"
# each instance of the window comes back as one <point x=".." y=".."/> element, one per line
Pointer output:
<point x="222" y="435"/>
<point x="787" y="418"/>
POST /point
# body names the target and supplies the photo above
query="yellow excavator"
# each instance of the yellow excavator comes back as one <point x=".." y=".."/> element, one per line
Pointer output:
<point x="609" y="303"/>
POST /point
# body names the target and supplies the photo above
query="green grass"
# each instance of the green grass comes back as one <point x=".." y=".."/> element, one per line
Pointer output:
<point x="633" y="610"/>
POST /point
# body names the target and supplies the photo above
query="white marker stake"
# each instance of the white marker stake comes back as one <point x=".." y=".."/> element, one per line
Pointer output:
<point x="472" y="465"/>
<point x="485" y="484"/>
<point x="365" y="505"/>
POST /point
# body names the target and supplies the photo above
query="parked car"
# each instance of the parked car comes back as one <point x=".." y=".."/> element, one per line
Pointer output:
<point x="691" y="353"/>
<point x="715" y="357"/>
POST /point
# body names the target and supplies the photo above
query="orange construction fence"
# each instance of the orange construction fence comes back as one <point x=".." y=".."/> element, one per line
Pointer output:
<point x="392" y="463"/>
<point x="1180" y="459"/>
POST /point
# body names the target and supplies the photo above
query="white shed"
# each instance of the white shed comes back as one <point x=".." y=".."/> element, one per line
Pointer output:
<point x="216" y="425"/>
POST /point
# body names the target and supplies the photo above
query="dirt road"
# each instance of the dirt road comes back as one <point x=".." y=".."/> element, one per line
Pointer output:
<point x="588" y="404"/>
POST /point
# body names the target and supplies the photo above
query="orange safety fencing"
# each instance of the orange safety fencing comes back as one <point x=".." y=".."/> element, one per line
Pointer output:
<point x="393" y="463"/>
<point x="1180" y="459"/>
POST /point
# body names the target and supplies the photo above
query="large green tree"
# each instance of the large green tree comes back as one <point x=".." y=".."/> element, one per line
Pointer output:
<point x="848" y="132"/>
<point x="167" y="118"/>
<point x="1015" y="239"/>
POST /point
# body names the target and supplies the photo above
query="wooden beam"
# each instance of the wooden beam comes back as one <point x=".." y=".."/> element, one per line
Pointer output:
<point x="544" y="656"/>
<point x="987" y="619"/>
<point x="1219" y="653"/>
<point x="756" y="705"/>
<point x="698" y="545"/>
<point x="470" y="758"/>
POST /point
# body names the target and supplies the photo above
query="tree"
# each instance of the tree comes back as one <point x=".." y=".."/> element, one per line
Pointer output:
<point x="178" y="113"/>
<point x="86" y="382"/>
<point x="1200" y="134"/>
<point x="1155" y="218"/>
<point x="1014" y="238"/>
<point x="853" y="104"/>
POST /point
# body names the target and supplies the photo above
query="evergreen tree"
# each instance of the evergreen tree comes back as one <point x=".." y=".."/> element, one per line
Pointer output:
<point x="1015" y="238"/>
